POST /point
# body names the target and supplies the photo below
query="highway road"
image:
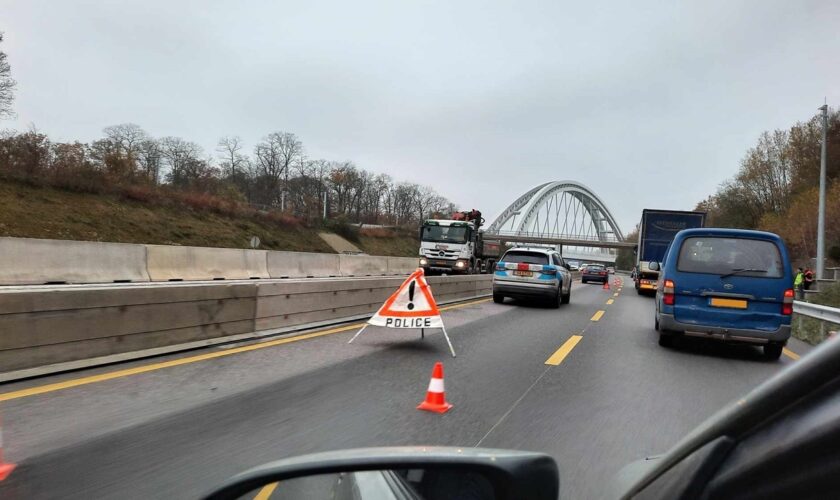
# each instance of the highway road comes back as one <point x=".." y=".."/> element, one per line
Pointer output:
<point x="586" y="383"/>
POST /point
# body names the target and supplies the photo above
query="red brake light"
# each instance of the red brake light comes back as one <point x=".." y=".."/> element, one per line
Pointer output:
<point x="668" y="296"/>
<point x="787" y="302"/>
<point x="523" y="267"/>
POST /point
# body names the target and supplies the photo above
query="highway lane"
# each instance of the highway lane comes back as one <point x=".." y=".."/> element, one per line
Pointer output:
<point x="174" y="432"/>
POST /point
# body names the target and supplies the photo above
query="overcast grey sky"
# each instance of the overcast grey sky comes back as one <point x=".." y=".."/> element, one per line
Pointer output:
<point x="482" y="100"/>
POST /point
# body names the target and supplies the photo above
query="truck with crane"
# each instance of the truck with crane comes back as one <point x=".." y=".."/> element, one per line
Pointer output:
<point x="457" y="245"/>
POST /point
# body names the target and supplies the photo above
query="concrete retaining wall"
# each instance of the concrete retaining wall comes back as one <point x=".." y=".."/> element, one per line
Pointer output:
<point x="402" y="265"/>
<point x="26" y="261"/>
<point x="302" y="265"/>
<point x="362" y="265"/>
<point x="49" y="327"/>
<point x="167" y="263"/>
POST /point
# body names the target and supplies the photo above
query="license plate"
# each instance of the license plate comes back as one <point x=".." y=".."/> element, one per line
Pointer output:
<point x="524" y="274"/>
<point x="730" y="303"/>
<point x="650" y="286"/>
<point x="439" y="262"/>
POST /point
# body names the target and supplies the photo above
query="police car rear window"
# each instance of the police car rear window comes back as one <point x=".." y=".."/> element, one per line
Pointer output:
<point x="526" y="258"/>
<point x="735" y="256"/>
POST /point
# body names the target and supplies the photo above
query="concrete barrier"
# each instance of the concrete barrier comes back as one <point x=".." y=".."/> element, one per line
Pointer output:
<point x="51" y="329"/>
<point x="27" y="261"/>
<point x="402" y="265"/>
<point x="168" y="263"/>
<point x="285" y="304"/>
<point x="302" y="265"/>
<point x="362" y="265"/>
<point x="42" y="327"/>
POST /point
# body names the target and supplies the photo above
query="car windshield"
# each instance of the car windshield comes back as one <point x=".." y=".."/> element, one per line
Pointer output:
<point x="520" y="257"/>
<point x="445" y="234"/>
<point x="726" y="256"/>
<point x="238" y="232"/>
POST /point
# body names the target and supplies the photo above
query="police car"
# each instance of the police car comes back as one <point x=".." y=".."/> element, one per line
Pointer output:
<point x="532" y="273"/>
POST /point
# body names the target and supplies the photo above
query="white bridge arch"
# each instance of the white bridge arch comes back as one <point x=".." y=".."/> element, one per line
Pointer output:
<point x="565" y="213"/>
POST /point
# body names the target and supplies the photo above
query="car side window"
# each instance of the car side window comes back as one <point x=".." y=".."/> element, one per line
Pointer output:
<point x="557" y="260"/>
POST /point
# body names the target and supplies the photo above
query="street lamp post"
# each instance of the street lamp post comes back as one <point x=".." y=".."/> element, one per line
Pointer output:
<point x="821" y="211"/>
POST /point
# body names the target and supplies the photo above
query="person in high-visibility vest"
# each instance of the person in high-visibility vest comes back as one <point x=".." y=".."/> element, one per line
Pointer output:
<point x="809" y="278"/>
<point x="799" y="283"/>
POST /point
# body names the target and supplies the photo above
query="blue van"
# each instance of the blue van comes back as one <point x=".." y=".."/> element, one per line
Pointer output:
<point x="727" y="284"/>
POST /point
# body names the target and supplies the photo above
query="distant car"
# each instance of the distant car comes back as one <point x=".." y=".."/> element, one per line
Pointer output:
<point x="532" y="273"/>
<point x="594" y="272"/>
<point x="726" y="284"/>
<point x="573" y="267"/>
<point x="611" y="270"/>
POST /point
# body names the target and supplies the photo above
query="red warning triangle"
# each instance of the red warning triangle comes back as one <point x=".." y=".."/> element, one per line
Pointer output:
<point x="413" y="299"/>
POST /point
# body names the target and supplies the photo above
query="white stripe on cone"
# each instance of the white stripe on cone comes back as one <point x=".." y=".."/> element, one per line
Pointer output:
<point x="436" y="385"/>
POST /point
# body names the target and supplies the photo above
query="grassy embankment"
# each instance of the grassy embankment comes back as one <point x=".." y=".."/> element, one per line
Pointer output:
<point x="43" y="212"/>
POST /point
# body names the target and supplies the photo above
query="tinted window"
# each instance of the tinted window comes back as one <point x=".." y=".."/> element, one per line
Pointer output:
<point x="744" y="257"/>
<point x="594" y="267"/>
<point x="556" y="259"/>
<point x="520" y="257"/>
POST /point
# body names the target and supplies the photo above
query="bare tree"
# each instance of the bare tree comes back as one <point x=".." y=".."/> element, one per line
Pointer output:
<point x="7" y="85"/>
<point x="149" y="157"/>
<point x="234" y="162"/>
<point x="126" y="138"/>
<point x="181" y="157"/>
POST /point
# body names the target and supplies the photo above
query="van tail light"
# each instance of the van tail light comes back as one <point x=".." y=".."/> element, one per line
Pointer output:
<point x="787" y="302"/>
<point x="668" y="292"/>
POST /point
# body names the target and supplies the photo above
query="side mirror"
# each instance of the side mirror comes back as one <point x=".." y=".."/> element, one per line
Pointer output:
<point x="568" y="267"/>
<point x="653" y="266"/>
<point x="392" y="473"/>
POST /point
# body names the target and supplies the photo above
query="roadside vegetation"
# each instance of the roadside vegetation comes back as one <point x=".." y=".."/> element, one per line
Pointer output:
<point x="776" y="189"/>
<point x="130" y="186"/>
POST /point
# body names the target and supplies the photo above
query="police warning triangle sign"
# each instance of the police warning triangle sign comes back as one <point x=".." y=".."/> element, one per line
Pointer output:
<point x="411" y="306"/>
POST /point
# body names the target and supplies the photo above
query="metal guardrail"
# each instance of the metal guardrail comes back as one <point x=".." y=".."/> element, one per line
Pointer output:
<point x="817" y="311"/>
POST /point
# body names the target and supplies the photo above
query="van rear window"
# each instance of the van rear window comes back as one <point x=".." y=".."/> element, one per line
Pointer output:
<point x="526" y="258"/>
<point x="736" y="256"/>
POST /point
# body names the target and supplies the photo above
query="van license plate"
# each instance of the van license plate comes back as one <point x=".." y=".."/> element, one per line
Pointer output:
<point x="730" y="303"/>
<point x="524" y="274"/>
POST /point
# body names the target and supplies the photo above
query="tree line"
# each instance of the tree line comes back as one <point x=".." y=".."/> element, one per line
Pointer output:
<point x="776" y="188"/>
<point x="275" y="175"/>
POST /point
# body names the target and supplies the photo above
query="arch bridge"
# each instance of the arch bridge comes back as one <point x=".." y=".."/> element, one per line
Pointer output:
<point x="567" y="214"/>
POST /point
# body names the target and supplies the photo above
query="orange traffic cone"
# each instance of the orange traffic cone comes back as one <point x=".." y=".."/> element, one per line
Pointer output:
<point x="436" y="395"/>
<point x="5" y="468"/>
<point x="606" y="285"/>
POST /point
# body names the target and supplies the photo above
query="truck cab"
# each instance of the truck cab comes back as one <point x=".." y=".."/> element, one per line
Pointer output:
<point x="456" y="245"/>
<point x="447" y="246"/>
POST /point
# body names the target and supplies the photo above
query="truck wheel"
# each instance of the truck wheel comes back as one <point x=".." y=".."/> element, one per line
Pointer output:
<point x="773" y="351"/>
<point x="498" y="298"/>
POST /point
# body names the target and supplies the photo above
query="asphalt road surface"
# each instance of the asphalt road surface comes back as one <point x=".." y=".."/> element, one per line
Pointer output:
<point x="176" y="426"/>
